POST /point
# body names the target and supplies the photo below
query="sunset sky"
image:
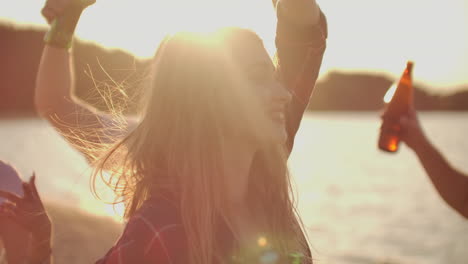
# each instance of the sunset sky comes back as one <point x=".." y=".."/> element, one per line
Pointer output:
<point x="369" y="35"/>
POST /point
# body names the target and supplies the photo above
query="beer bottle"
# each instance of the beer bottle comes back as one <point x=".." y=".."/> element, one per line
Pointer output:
<point x="397" y="107"/>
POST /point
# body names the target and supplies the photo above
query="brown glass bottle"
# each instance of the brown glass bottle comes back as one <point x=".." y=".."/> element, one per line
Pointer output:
<point x="398" y="106"/>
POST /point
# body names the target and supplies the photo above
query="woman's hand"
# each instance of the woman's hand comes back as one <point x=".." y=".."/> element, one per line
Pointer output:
<point x="56" y="8"/>
<point x="412" y="132"/>
<point x="29" y="212"/>
<point x="302" y="12"/>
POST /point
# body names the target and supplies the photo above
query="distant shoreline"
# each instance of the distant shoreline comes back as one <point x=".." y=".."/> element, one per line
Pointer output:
<point x="33" y="115"/>
<point x="336" y="91"/>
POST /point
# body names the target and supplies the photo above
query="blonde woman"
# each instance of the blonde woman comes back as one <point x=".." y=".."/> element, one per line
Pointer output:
<point x="203" y="173"/>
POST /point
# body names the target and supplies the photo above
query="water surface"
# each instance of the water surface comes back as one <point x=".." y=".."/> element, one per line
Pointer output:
<point x="360" y="205"/>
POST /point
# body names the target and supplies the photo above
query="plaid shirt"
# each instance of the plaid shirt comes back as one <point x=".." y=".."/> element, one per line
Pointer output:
<point x="155" y="234"/>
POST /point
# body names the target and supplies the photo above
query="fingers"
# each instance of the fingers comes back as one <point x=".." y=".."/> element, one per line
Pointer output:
<point x="48" y="14"/>
<point x="58" y="6"/>
<point x="10" y="196"/>
<point x="53" y="9"/>
<point x="9" y="210"/>
<point x="412" y="112"/>
<point x="4" y="207"/>
<point x="31" y="179"/>
<point x="32" y="183"/>
<point x="28" y="193"/>
<point x="404" y="121"/>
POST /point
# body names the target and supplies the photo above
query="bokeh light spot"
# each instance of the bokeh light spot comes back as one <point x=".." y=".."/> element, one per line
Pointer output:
<point x="262" y="242"/>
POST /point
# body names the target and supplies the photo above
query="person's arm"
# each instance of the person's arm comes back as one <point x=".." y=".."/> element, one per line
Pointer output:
<point x="301" y="41"/>
<point x="15" y="240"/>
<point x="82" y="125"/>
<point x="141" y="242"/>
<point x="451" y="184"/>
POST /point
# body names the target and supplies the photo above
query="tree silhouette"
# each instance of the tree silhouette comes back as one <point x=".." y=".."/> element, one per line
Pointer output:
<point x="101" y="71"/>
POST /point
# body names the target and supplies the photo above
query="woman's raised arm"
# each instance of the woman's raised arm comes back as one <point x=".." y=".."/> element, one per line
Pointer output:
<point x="301" y="35"/>
<point x="81" y="124"/>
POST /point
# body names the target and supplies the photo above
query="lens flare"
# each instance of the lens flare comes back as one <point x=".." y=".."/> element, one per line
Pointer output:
<point x="115" y="210"/>
<point x="262" y="242"/>
<point x="269" y="257"/>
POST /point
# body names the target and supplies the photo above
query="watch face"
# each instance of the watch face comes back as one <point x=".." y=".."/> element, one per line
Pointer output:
<point x="10" y="180"/>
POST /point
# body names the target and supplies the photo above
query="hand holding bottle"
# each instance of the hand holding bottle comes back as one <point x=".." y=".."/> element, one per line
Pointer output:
<point x="399" y="106"/>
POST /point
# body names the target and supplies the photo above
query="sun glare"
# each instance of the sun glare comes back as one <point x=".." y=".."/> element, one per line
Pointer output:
<point x="115" y="210"/>
<point x="141" y="29"/>
<point x="389" y="94"/>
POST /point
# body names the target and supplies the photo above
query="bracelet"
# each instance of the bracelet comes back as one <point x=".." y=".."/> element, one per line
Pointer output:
<point x="58" y="38"/>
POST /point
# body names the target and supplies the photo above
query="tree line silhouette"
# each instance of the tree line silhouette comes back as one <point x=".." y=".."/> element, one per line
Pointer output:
<point x="98" y="71"/>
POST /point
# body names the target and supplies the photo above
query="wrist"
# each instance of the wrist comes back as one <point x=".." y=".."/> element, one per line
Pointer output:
<point x="421" y="144"/>
<point x="62" y="29"/>
<point x="40" y="251"/>
<point x="42" y="234"/>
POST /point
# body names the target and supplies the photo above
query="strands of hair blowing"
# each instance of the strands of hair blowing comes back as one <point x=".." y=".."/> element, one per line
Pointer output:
<point x="197" y="97"/>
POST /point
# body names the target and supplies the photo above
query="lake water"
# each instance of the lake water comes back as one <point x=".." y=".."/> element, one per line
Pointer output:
<point x="360" y="205"/>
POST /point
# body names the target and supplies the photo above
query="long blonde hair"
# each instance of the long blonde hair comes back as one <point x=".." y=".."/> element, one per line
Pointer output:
<point x="198" y="95"/>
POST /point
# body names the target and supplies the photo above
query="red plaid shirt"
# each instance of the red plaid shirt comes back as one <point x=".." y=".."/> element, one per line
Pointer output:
<point x="155" y="234"/>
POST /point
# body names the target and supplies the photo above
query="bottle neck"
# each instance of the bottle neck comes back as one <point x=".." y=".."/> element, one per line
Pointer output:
<point x="409" y="68"/>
